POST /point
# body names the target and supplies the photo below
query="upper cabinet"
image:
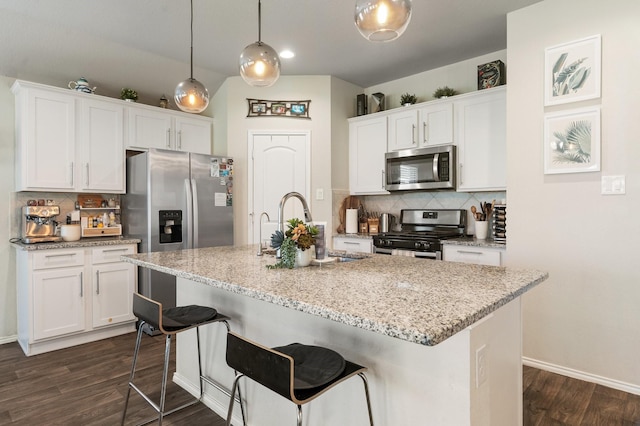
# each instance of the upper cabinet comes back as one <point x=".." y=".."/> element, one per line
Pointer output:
<point x="367" y="146"/>
<point x="67" y="142"/>
<point x="157" y="128"/>
<point x="481" y="138"/>
<point x="421" y="126"/>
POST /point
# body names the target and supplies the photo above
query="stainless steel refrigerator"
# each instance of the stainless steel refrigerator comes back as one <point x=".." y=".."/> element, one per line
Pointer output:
<point x="176" y="200"/>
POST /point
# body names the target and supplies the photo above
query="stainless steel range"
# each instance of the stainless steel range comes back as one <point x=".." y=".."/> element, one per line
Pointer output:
<point x="421" y="233"/>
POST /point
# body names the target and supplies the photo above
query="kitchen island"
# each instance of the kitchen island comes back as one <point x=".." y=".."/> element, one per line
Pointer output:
<point x="442" y="340"/>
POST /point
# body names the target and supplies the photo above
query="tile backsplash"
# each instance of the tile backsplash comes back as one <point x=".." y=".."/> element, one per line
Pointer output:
<point x="66" y="201"/>
<point x="395" y="202"/>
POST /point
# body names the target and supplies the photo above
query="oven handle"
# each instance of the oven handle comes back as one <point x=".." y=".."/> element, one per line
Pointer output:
<point x="437" y="255"/>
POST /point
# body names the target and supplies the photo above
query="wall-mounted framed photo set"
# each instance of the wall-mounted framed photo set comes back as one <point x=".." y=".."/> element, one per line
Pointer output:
<point x="266" y="108"/>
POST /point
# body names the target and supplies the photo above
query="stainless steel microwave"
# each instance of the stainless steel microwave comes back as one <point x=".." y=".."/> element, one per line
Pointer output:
<point x="421" y="169"/>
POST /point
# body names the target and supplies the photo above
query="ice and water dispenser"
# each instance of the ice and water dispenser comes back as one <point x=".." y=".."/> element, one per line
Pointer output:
<point x="170" y="226"/>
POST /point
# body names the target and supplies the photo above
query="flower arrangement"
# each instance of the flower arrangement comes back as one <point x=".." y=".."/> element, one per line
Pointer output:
<point x="407" y="98"/>
<point x="127" y="93"/>
<point x="298" y="236"/>
<point x="445" y="91"/>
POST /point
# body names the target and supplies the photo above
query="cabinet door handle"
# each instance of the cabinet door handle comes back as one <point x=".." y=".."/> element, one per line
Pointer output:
<point x="460" y="175"/>
<point x="168" y="138"/>
<point x="97" y="282"/>
<point x="383" y="179"/>
<point x="179" y="139"/>
<point x="470" y="252"/>
<point x="81" y="285"/>
<point x="59" y="255"/>
<point x="350" y="242"/>
<point x="413" y="134"/>
<point x="112" y="250"/>
<point x="71" y="180"/>
<point x="87" y="175"/>
<point x="425" y="132"/>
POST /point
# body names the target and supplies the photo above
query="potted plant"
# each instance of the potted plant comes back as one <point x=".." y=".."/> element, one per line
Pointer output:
<point x="407" y="99"/>
<point x="444" y="92"/>
<point x="294" y="244"/>
<point x="129" y="94"/>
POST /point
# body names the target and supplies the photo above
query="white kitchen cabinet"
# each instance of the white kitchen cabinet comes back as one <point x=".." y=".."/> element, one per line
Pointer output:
<point x="113" y="285"/>
<point x="46" y="139"/>
<point x="402" y="130"/>
<point x="67" y="297"/>
<point x="361" y="245"/>
<point x="435" y="124"/>
<point x="367" y="147"/>
<point x="160" y="128"/>
<point x="101" y="147"/>
<point x="481" y="140"/>
<point x="67" y="141"/>
<point x="493" y="256"/>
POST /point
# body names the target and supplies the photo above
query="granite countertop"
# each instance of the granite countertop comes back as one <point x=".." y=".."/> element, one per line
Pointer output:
<point x="83" y="242"/>
<point x="417" y="300"/>
<point x="474" y="242"/>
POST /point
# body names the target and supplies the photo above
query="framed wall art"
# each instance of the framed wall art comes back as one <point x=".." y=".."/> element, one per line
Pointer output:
<point x="265" y="108"/>
<point x="572" y="71"/>
<point x="572" y="141"/>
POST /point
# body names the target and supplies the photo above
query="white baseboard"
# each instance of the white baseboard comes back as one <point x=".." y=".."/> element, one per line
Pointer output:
<point x="8" y="339"/>
<point x="581" y="375"/>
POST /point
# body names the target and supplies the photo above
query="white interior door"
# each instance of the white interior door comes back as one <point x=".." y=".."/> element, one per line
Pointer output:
<point x="280" y="162"/>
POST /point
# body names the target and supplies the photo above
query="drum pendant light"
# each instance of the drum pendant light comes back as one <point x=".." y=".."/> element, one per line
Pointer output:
<point x="191" y="95"/>
<point x="382" y="20"/>
<point x="259" y="62"/>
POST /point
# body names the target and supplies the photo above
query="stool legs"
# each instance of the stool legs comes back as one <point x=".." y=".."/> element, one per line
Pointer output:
<point x="366" y="392"/>
<point x="133" y="370"/>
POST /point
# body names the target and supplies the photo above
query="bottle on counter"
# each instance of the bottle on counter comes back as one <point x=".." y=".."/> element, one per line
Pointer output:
<point x="90" y="222"/>
<point x="95" y="221"/>
<point x="112" y="219"/>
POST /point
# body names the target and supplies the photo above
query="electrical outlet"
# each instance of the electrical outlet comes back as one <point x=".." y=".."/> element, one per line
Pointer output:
<point x="613" y="185"/>
<point x="481" y="365"/>
<point x="319" y="194"/>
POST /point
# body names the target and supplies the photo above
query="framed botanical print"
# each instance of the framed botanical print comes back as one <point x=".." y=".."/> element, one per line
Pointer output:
<point x="572" y="141"/>
<point x="572" y="71"/>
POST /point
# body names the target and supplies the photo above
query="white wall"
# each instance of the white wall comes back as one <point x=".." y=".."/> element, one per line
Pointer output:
<point x="461" y="76"/>
<point x="584" y="320"/>
<point x="236" y="126"/>
<point x="8" y="325"/>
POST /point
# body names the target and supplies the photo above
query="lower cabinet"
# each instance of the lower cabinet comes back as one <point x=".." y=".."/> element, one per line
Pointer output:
<point x="361" y="245"/>
<point x="68" y="297"/>
<point x="492" y="256"/>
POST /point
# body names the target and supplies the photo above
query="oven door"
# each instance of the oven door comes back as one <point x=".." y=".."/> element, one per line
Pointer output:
<point x="435" y="255"/>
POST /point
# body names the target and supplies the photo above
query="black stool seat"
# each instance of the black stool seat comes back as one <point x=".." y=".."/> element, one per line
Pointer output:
<point x="152" y="317"/>
<point x="298" y="372"/>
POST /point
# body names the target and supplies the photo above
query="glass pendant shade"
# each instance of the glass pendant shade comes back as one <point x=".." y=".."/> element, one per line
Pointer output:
<point x="382" y="20"/>
<point x="191" y="96"/>
<point x="259" y="65"/>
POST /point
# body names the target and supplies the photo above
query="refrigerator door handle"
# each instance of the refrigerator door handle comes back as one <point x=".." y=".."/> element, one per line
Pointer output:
<point x="194" y="189"/>
<point x="189" y="213"/>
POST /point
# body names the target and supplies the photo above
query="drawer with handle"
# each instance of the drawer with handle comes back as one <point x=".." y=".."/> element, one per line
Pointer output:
<point x="109" y="254"/>
<point x="362" y="245"/>
<point x="58" y="258"/>
<point x="471" y="254"/>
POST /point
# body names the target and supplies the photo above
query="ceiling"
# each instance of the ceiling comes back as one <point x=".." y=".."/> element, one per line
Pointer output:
<point x="144" y="44"/>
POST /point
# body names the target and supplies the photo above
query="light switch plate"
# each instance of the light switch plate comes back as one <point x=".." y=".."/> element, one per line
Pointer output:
<point x="613" y="185"/>
<point x="319" y="194"/>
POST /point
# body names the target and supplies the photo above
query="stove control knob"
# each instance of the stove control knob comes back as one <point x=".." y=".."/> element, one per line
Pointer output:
<point x="417" y="245"/>
<point x="389" y="243"/>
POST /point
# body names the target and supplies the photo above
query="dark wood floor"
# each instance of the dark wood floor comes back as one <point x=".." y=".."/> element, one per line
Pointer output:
<point x="86" y="385"/>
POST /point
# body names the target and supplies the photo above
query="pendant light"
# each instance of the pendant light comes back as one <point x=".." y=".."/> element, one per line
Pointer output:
<point x="259" y="62"/>
<point x="191" y="95"/>
<point x="382" y="20"/>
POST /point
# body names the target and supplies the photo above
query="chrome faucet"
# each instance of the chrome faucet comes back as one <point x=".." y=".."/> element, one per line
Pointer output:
<point x="260" y="235"/>
<point x="307" y="213"/>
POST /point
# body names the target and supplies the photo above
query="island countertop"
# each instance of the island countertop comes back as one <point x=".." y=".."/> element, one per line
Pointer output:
<point x="417" y="300"/>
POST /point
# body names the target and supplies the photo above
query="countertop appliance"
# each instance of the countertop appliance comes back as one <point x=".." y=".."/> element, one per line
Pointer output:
<point x="421" y="233"/>
<point x="431" y="168"/>
<point x="176" y="200"/>
<point x="39" y="224"/>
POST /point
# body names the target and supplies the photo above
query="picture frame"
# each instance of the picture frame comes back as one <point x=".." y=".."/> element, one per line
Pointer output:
<point x="278" y="108"/>
<point x="572" y="71"/>
<point x="267" y="108"/>
<point x="259" y="108"/>
<point x="298" y="109"/>
<point x="572" y="141"/>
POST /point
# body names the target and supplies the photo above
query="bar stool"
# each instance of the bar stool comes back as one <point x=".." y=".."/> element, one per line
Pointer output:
<point x="298" y="372"/>
<point x="152" y="317"/>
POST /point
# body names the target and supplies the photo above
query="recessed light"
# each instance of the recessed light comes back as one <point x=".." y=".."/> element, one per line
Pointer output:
<point x="287" y="54"/>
